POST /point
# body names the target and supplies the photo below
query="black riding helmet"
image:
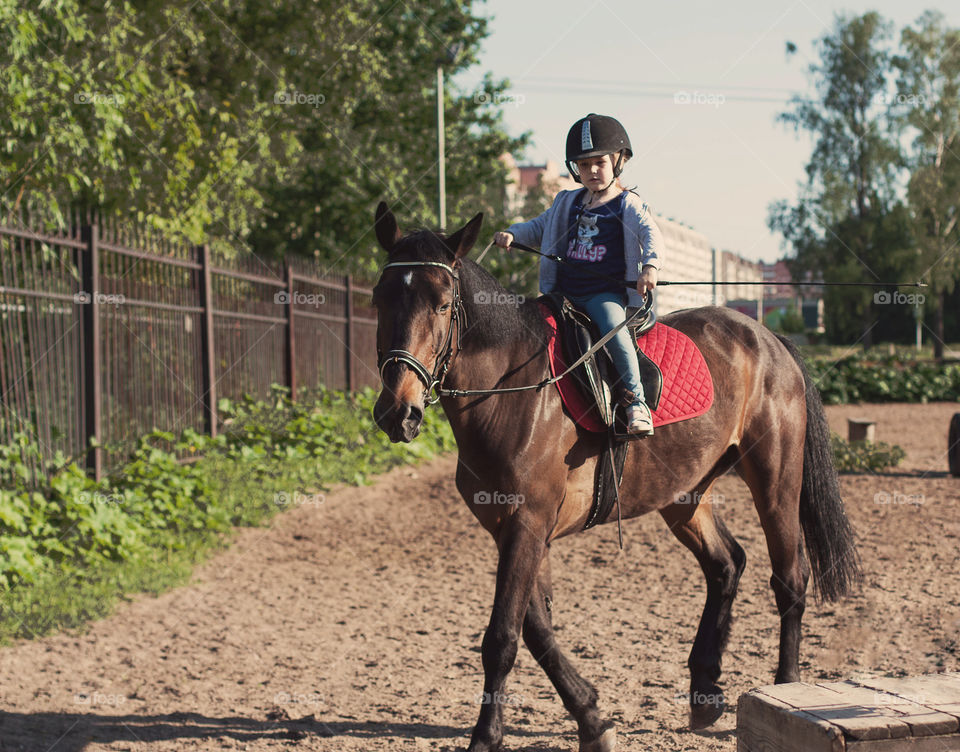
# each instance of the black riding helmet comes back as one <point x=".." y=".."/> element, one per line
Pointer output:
<point x="594" y="136"/>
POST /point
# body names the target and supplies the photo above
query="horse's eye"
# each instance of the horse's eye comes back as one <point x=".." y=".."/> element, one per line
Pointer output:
<point x="443" y="308"/>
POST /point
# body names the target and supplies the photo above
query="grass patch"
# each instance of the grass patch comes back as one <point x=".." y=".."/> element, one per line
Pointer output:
<point x="70" y="548"/>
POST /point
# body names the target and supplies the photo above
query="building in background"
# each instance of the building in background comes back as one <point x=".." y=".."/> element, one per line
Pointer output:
<point x="687" y="257"/>
<point x="743" y="284"/>
<point x="531" y="188"/>
<point x="780" y="297"/>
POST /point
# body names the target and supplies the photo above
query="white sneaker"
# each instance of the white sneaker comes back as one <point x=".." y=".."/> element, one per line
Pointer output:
<point x="639" y="419"/>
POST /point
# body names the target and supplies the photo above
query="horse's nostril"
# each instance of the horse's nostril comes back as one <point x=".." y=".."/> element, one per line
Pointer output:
<point x="415" y="414"/>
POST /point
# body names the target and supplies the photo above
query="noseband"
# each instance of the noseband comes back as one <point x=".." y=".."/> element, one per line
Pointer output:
<point x="433" y="380"/>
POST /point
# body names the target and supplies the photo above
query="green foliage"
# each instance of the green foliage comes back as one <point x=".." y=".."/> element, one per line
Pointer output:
<point x="247" y="123"/>
<point x="894" y="378"/>
<point x="788" y="321"/>
<point x="850" y="222"/>
<point x="928" y="86"/>
<point x="864" y="456"/>
<point x="85" y="543"/>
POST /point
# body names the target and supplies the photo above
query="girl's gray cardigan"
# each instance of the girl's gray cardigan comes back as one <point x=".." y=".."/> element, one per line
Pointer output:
<point x="642" y="241"/>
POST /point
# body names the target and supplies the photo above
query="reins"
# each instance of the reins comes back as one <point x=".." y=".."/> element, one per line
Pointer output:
<point x="614" y="280"/>
<point x="434" y="381"/>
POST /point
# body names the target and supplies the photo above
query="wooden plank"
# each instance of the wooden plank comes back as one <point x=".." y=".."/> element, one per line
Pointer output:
<point x="939" y="692"/>
<point x="912" y="744"/>
<point x="829" y="703"/>
<point x="767" y="724"/>
<point x="919" y="720"/>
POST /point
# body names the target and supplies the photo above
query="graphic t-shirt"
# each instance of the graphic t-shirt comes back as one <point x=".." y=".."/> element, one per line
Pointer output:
<point x="594" y="247"/>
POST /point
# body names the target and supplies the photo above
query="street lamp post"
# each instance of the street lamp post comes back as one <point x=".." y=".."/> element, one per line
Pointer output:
<point x="449" y="56"/>
<point x="441" y="156"/>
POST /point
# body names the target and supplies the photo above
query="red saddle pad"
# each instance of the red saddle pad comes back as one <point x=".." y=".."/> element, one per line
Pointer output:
<point x="687" y="384"/>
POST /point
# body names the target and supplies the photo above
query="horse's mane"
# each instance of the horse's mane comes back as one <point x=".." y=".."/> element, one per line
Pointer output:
<point x="489" y="325"/>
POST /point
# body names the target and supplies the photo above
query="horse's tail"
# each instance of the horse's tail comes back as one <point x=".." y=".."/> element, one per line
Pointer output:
<point x="826" y="529"/>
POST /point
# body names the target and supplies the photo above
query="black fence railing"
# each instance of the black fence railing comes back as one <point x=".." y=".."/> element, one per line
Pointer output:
<point x="105" y="335"/>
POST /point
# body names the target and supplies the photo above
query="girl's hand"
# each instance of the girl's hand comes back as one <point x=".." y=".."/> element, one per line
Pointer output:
<point x="503" y="239"/>
<point x="647" y="280"/>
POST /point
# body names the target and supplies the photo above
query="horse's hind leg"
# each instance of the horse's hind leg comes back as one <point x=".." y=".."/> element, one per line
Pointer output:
<point x="722" y="560"/>
<point x="578" y="695"/>
<point x="772" y="468"/>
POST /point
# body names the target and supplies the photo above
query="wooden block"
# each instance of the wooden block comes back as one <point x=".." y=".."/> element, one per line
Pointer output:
<point x="859" y="429"/>
<point x="765" y="724"/>
<point x="919" y="714"/>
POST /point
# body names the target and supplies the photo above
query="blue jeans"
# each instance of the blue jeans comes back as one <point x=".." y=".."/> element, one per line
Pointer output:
<point x="606" y="309"/>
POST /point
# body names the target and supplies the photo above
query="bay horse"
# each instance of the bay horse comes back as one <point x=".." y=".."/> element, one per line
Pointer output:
<point x="444" y="323"/>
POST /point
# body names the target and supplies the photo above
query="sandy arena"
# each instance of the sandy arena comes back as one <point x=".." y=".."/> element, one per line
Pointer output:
<point x="355" y="625"/>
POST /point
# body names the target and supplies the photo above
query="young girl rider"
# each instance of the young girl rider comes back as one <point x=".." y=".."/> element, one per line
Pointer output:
<point x="600" y="229"/>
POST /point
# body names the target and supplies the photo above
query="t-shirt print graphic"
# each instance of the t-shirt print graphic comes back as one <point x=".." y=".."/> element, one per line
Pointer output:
<point x="583" y="248"/>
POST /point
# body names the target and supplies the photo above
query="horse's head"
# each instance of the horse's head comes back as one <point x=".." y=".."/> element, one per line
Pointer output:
<point x="418" y="306"/>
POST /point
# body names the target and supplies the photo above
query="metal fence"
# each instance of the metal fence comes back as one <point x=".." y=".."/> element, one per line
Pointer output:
<point x="106" y="334"/>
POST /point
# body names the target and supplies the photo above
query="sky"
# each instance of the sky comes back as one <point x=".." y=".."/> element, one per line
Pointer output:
<point x="697" y="85"/>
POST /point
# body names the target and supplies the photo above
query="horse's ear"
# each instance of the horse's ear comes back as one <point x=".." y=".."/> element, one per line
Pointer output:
<point x="463" y="239"/>
<point x="388" y="232"/>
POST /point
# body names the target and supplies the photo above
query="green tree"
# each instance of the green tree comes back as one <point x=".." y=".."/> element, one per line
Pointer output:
<point x="837" y="227"/>
<point x="928" y="96"/>
<point x="98" y="114"/>
<point x="274" y="127"/>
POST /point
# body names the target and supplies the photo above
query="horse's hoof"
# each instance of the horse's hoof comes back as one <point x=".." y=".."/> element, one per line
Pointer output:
<point x="476" y="746"/>
<point x="705" y="715"/>
<point x="606" y="742"/>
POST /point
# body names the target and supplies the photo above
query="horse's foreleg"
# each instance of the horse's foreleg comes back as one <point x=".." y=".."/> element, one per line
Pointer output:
<point x="578" y="695"/>
<point x="722" y="560"/>
<point x="521" y="549"/>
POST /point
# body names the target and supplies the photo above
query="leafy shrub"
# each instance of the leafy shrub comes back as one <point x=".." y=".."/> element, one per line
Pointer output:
<point x="894" y="378"/>
<point x="63" y="534"/>
<point x="864" y="456"/>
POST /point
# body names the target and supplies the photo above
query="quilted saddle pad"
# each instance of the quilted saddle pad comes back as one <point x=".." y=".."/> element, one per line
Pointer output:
<point x="687" y="384"/>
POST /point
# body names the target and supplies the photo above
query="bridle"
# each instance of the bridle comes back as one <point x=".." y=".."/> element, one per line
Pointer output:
<point x="430" y="380"/>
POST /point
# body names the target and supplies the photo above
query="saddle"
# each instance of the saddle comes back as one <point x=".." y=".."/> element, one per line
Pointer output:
<point x="577" y="333"/>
